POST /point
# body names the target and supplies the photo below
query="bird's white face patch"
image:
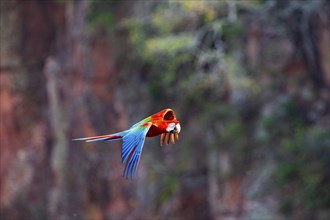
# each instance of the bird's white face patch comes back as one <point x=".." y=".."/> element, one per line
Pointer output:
<point x="170" y="127"/>
<point x="173" y="128"/>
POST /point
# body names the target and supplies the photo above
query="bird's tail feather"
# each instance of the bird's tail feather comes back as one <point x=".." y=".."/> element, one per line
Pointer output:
<point x="108" y="137"/>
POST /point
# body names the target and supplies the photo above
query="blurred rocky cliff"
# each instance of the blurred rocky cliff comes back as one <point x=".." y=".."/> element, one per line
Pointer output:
<point x="249" y="81"/>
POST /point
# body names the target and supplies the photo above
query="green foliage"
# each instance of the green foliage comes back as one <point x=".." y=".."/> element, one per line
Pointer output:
<point x="166" y="21"/>
<point x="100" y="15"/>
<point x="195" y="59"/>
<point x="232" y="30"/>
<point x="233" y="133"/>
<point x="205" y="9"/>
<point x="170" y="186"/>
<point x="169" y="44"/>
<point x="285" y="111"/>
<point x="305" y="164"/>
<point x="234" y="137"/>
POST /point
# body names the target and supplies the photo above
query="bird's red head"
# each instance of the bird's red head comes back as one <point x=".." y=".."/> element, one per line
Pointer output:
<point x="165" y="123"/>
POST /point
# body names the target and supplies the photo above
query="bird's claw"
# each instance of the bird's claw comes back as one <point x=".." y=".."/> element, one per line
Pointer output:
<point x="166" y="137"/>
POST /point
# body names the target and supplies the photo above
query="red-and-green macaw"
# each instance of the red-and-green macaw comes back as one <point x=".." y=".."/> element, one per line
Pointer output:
<point x="163" y="123"/>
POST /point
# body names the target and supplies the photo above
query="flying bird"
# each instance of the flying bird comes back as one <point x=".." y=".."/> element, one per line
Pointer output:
<point x="163" y="123"/>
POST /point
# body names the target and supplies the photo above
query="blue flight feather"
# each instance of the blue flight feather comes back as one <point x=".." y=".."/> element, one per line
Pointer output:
<point x="133" y="142"/>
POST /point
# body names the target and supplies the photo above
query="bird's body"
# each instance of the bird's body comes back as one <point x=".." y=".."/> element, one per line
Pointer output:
<point x="163" y="123"/>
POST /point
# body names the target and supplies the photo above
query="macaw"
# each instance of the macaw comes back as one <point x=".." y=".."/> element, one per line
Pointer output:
<point x="163" y="123"/>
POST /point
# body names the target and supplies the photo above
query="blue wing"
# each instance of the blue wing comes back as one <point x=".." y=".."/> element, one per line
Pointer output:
<point x="132" y="147"/>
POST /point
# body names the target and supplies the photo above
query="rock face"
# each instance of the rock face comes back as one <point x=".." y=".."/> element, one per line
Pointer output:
<point x="248" y="80"/>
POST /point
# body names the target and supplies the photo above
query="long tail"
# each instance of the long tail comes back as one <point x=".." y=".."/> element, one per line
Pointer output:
<point x="108" y="137"/>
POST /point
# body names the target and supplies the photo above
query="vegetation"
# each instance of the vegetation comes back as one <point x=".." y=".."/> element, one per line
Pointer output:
<point x="199" y="54"/>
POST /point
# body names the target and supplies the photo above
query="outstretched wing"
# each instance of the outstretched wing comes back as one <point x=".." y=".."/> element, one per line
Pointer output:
<point x="132" y="147"/>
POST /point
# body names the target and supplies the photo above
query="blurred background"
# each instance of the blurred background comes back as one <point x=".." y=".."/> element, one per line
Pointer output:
<point x="249" y="80"/>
